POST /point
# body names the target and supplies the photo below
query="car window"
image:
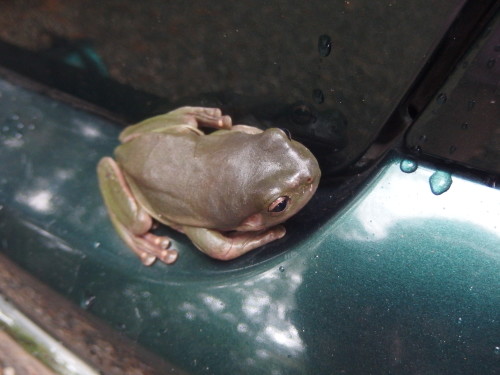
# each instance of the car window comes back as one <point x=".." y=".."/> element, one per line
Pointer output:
<point x="331" y="72"/>
<point x="462" y="122"/>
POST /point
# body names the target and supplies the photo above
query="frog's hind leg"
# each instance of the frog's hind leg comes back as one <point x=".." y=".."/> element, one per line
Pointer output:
<point x="131" y="221"/>
<point x="181" y="120"/>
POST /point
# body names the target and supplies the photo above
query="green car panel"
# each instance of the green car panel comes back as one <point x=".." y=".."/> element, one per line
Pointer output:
<point x="404" y="278"/>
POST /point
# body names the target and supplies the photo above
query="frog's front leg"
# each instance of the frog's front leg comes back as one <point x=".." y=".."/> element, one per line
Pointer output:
<point x="227" y="246"/>
<point x="131" y="221"/>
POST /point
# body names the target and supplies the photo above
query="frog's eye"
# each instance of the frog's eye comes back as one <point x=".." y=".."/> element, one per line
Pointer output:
<point x="279" y="205"/>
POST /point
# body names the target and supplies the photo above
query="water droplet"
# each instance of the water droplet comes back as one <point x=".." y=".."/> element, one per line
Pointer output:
<point x="441" y="98"/>
<point x="470" y="105"/>
<point x="408" y="165"/>
<point x="282" y="269"/>
<point x="452" y="149"/>
<point x="491" y="63"/>
<point x="465" y="126"/>
<point x="87" y="301"/>
<point x="96" y="245"/>
<point x="318" y="96"/>
<point x="459" y="321"/>
<point x="440" y="182"/>
<point x="423" y="138"/>
<point x="324" y="45"/>
<point x="302" y="115"/>
<point x="497" y="350"/>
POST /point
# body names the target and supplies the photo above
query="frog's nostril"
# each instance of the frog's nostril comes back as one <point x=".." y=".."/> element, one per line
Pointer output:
<point x="287" y="132"/>
<point x="309" y="180"/>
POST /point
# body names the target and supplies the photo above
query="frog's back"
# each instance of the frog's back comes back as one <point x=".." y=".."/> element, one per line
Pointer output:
<point x="183" y="178"/>
<point x="154" y="159"/>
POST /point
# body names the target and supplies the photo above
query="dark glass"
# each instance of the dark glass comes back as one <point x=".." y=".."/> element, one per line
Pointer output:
<point x="348" y="62"/>
<point x="462" y="123"/>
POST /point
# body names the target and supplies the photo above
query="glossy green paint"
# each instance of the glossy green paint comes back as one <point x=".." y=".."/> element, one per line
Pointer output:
<point x="401" y="280"/>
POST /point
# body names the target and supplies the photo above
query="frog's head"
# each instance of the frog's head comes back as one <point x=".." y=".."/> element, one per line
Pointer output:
<point x="286" y="176"/>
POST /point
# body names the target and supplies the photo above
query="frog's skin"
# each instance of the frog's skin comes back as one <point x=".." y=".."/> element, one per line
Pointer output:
<point x="228" y="191"/>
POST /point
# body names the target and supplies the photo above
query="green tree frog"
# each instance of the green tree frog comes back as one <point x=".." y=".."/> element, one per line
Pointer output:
<point x="227" y="190"/>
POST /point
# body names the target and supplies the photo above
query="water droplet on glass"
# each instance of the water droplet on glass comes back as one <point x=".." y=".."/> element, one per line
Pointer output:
<point x="302" y="115"/>
<point x="96" y="245"/>
<point x="491" y="63"/>
<point x="459" y="321"/>
<point x="465" y="126"/>
<point x="470" y="105"/>
<point x="497" y="350"/>
<point x="408" y="165"/>
<point x="282" y="269"/>
<point x="87" y="301"/>
<point x="318" y="96"/>
<point x="324" y="45"/>
<point x="440" y="182"/>
<point x="452" y="149"/>
<point x="441" y="98"/>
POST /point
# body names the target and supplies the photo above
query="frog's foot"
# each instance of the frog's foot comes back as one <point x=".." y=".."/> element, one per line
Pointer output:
<point x="150" y="247"/>
<point x="227" y="246"/>
<point x="208" y="117"/>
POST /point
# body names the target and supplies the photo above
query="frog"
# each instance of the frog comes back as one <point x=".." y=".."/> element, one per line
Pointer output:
<point x="227" y="187"/>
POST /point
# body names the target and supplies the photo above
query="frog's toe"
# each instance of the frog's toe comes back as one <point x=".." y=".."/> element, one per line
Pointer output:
<point x="214" y="112"/>
<point x="168" y="256"/>
<point x="161" y="241"/>
<point x="156" y="247"/>
<point x="212" y="117"/>
<point x="147" y="259"/>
